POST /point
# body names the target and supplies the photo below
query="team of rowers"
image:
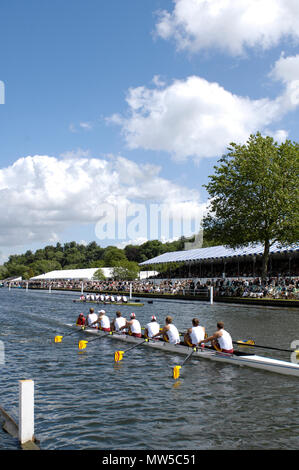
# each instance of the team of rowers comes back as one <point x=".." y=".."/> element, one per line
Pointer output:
<point x="195" y="336"/>
<point x="104" y="298"/>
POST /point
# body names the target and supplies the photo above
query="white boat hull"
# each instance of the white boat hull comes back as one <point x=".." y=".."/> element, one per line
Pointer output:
<point x="248" y="360"/>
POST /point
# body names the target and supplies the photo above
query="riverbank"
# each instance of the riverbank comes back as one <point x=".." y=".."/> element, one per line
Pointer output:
<point x="230" y="300"/>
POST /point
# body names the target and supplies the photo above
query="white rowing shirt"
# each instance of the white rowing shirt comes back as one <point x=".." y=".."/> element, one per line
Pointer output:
<point x="119" y="322"/>
<point x="104" y="321"/>
<point x="225" y="341"/>
<point x="153" y="328"/>
<point x="92" y="317"/>
<point x="173" y="334"/>
<point x="135" y="327"/>
<point x="197" y="334"/>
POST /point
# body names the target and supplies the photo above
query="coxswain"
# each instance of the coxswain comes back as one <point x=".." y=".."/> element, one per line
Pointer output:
<point x="133" y="326"/>
<point x="221" y="340"/>
<point x="118" y="322"/>
<point x="92" y="319"/>
<point x="195" y="335"/>
<point x="169" y="332"/>
<point x="103" y="321"/>
<point x="152" y="328"/>
<point x="80" y="320"/>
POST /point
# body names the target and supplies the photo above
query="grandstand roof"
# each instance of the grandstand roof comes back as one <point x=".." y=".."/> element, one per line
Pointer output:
<point x="217" y="253"/>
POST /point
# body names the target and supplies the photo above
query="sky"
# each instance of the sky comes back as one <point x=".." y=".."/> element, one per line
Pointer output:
<point x="113" y="114"/>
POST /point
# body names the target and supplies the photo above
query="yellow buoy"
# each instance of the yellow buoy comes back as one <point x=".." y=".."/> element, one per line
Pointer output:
<point x="58" y="339"/>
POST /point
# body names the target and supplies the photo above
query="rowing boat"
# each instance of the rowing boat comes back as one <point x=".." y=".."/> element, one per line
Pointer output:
<point x="131" y="304"/>
<point x="237" y="358"/>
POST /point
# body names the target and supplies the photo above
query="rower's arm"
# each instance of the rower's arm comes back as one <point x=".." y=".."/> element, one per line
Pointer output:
<point x="210" y="338"/>
<point x="161" y="332"/>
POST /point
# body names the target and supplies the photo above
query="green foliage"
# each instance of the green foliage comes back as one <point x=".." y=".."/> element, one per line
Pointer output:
<point x="254" y="195"/>
<point x="99" y="275"/>
<point x="126" y="270"/>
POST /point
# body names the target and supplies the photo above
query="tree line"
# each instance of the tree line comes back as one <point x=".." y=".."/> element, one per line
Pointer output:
<point x="74" y="255"/>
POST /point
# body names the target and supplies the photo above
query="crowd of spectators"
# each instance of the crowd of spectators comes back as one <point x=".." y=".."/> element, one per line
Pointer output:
<point x="274" y="288"/>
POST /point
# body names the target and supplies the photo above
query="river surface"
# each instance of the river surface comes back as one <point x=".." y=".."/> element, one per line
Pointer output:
<point x="84" y="400"/>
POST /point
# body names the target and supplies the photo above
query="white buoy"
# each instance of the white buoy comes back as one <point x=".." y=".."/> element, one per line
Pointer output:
<point x="211" y="295"/>
<point x="26" y="411"/>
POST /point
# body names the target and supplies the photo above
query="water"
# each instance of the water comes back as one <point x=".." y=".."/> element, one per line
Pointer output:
<point x="83" y="400"/>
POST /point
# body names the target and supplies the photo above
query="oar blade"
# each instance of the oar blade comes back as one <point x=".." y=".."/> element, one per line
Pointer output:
<point x="245" y="342"/>
<point x="82" y="344"/>
<point x="176" y="372"/>
<point x="58" y="339"/>
<point x="118" y="356"/>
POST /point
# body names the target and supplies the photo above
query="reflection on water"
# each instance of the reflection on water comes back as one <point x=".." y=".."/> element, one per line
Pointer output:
<point x="84" y="400"/>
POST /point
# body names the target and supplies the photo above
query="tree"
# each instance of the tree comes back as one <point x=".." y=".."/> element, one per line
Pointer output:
<point x="126" y="270"/>
<point x="113" y="256"/>
<point x="99" y="275"/>
<point x="254" y="195"/>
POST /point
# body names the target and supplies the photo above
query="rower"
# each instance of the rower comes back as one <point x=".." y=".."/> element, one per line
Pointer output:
<point x="195" y="335"/>
<point x="125" y="300"/>
<point x="80" y="320"/>
<point x="112" y="299"/>
<point x="221" y="340"/>
<point x="169" y="332"/>
<point x="103" y="321"/>
<point x="102" y="298"/>
<point x="118" y="322"/>
<point x="151" y="328"/>
<point x="91" y="319"/>
<point x="118" y="298"/>
<point x="133" y="326"/>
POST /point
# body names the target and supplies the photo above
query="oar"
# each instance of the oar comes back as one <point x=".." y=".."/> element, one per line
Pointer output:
<point x="82" y="344"/>
<point x="176" y="369"/>
<point x="58" y="339"/>
<point x="252" y="344"/>
<point x="119" y="354"/>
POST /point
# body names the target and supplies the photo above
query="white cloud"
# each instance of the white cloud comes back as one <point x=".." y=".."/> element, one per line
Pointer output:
<point x="286" y="69"/>
<point x="194" y="117"/>
<point x="78" y="153"/>
<point x="229" y="25"/>
<point x="86" y="125"/>
<point x="40" y="196"/>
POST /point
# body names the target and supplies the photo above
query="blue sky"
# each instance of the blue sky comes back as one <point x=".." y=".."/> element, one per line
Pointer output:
<point x="128" y="101"/>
